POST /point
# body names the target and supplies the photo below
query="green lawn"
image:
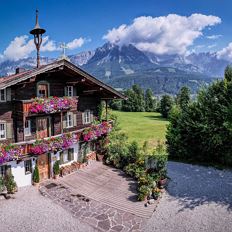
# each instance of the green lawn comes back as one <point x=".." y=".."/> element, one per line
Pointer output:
<point x="142" y="126"/>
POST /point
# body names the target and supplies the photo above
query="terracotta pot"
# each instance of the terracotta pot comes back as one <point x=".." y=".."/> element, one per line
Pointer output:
<point x="100" y="157"/>
<point x="163" y="182"/>
<point x="36" y="184"/>
<point x="56" y="177"/>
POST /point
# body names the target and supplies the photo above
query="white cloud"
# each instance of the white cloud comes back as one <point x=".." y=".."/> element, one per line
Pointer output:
<point x="167" y="34"/>
<point x="225" y="53"/>
<point x="22" y="47"/>
<point x="19" y="48"/>
<point x="213" y="37"/>
<point x="212" y="46"/>
<point x="76" y="43"/>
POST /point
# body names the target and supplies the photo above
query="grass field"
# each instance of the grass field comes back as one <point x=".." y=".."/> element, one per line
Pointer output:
<point x="142" y="126"/>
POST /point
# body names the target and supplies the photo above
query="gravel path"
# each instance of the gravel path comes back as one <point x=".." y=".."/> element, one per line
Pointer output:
<point x="198" y="199"/>
<point x="32" y="212"/>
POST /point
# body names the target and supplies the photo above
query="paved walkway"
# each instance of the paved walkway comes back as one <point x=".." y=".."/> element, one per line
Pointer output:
<point x="109" y="186"/>
<point x="102" y="197"/>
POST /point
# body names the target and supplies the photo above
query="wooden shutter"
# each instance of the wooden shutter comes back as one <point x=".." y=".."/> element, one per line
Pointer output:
<point x="65" y="91"/>
<point x="33" y="125"/>
<point x="8" y="94"/>
<point x="69" y="154"/>
<point x="74" y="119"/>
<point x="74" y="91"/>
<point x="83" y="118"/>
<point x="64" y="121"/>
<point x="9" y="131"/>
<point x="91" y="116"/>
<point x="61" y="157"/>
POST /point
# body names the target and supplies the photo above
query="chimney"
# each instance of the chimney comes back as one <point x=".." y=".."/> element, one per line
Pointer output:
<point x="19" y="70"/>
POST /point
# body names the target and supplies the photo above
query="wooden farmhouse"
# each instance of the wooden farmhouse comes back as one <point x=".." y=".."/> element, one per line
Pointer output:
<point x="48" y="114"/>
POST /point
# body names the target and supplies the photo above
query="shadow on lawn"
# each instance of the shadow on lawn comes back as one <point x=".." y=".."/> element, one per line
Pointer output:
<point x="156" y="117"/>
<point x="195" y="185"/>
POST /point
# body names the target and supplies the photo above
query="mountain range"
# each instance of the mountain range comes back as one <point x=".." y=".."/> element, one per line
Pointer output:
<point x="121" y="67"/>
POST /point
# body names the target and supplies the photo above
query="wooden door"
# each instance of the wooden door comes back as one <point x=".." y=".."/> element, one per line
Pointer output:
<point x="42" y="90"/>
<point x="43" y="166"/>
<point x="42" y="129"/>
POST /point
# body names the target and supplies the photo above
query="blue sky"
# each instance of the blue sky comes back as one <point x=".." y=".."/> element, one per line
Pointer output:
<point x="90" y="20"/>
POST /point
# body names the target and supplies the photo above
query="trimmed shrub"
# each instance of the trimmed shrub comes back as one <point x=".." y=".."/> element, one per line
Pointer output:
<point x="35" y="176"/>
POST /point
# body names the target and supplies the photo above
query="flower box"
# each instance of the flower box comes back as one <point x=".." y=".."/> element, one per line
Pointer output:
<point x="51" y="104"/>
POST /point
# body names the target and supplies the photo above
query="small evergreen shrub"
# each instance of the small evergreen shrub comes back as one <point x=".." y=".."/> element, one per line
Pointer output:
<point x="10" y="183"/>
<point x="56" y="168"/>
<point x="35" y="176"/>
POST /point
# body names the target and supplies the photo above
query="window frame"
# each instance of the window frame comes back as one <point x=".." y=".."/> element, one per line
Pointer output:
<point x="69" y="91"/>
<point x="42" y="83"/>
<point x="27" y="130"/>
<point x="4" y="94"/>
<point x="27" y="172"/>
<point x="3" y="123"/>
<point x="69" y="121"/>
<point x="3" y="170"/>
<point x="87" y="116"/>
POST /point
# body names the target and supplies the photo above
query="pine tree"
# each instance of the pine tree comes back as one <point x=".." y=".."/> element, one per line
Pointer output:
<point x="183" y="97"/>
<point x="166" y="104"/>
<point x="149" y="101"/>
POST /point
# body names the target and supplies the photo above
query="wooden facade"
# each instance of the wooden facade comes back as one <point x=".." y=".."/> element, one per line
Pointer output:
<point x="51" y="80"/>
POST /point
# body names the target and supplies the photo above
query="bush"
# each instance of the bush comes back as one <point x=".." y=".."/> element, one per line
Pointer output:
<point x="35" y="176"/>
<point x="144" y="191"/>
<point x="10" y="184"/>
<point x="203" y="131"/>
<point x="2" y="184"/>
<point x="56" y="168"/>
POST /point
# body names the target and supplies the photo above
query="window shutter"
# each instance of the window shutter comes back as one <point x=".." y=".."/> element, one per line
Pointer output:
<point x="74" y="119"/>
<point x="8" y="94"/>
<point x="91" y="116"/>
<point x="83" y="118"/>
<point x="9" y="131"/>
<point x="33" y="125"/>
<point x="61" y="157"/>
<point x="64" y="121"/>
<point x="74" y="91"/>
<point x="69" y="154"/>
<point x="65" y="91"/>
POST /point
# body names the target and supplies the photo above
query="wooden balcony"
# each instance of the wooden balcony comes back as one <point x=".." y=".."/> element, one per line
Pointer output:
<point x="26" y="145"/>
<point x="23" y="108"/>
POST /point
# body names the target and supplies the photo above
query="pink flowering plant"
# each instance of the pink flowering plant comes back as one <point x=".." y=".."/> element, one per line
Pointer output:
<point x="52" y="144"/>
<point x="52" y="104"/>
<point x="10" y="152"/>
<point x="96" y="131"/>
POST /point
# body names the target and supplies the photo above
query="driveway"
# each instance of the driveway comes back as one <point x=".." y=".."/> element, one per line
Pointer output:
<point x="197" y="199"/>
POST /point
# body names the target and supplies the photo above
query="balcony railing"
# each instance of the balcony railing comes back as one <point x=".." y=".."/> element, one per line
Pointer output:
<point x="45" y="105"/>
<point x="17" y="151"/>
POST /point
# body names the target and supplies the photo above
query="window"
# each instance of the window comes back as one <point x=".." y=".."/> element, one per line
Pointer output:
<point x="71" y="154"/>
<point x="69" y="120"/>
<point x="4" y="170"/>
<point x="2" y="130"/>
<point x="69" y="91"/>
<point x="67" y="156"/>
<point x="42" y="90"/>
<point x="2" y="95"/>
<point x="87" y="117"/>
<point x="27" y="128"/>
<point x="28" y="166"/>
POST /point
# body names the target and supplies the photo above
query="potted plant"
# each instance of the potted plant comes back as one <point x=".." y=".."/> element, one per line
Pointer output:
<point x="156" y="193"/>
<point x="144" y="191"/>
<point x="163" y="178"/>
<point x="35" y="177"/>
<point x="56" y="169"/>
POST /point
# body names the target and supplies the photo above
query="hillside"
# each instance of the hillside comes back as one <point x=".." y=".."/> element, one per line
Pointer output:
<point x="124" y="66"/>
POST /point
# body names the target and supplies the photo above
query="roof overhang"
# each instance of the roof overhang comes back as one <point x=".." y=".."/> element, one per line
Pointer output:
<point x="59" y="64"/>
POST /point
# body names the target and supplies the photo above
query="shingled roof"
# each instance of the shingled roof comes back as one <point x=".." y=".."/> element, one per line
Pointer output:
<point x="16" y="78"/>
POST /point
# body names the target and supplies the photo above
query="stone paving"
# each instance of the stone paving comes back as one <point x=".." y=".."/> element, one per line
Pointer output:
<point x="98" y="215"/>
<point x="101" y="196"/>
